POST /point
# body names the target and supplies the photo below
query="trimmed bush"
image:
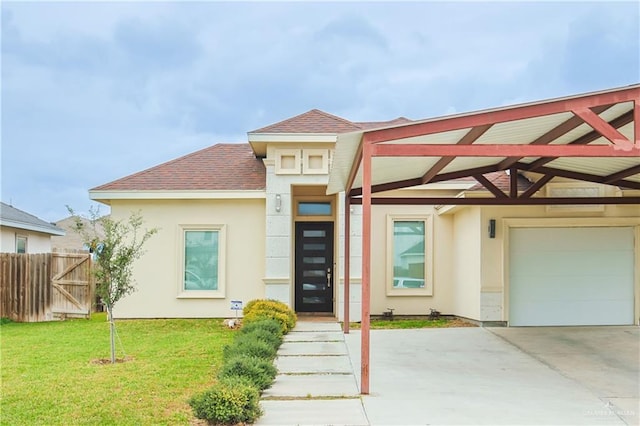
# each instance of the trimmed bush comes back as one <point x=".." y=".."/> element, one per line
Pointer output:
<point x="230" y="401"/>
<point x="259" y="372"/>
<point x="266" y="336"/>
<point x="249" y="347"/>
<point x="257" y="310"/>
<point x="271" y="325"/>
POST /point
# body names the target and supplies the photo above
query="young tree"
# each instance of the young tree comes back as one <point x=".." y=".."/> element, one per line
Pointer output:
<point x="114" y="249"/>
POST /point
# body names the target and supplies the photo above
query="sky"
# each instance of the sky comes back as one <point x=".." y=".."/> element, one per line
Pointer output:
<point x="95" y="91"/>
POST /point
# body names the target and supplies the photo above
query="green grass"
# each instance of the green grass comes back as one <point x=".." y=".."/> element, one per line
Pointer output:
<point x="48" y="376"/>
<point x="413" y="323"/>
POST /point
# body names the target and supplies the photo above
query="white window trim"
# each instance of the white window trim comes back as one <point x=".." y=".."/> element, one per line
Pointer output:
<point x="287" y="153"/>
<point x="306" y="167"/>
<point x="26" y="242"/>
<point x="428" y="256"/>
<point x="220" y="293"/>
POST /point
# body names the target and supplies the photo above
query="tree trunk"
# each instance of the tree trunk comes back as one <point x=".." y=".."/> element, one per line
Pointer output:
<point x="112" y="329"/>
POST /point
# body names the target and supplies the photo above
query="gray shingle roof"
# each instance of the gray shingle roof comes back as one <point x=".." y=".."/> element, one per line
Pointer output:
<point x="16" y="218"/>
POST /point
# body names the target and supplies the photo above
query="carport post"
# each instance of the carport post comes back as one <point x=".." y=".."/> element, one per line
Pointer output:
<point x="347" y="254"/>
<point x="366" y="267"/>
<point x="636" y="122"/>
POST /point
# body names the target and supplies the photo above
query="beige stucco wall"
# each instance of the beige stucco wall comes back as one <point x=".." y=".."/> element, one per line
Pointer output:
<point x="466" y="262"/>
<point x="36" y="242"/>
<point x="158" y="273"/>
<point x="441" y="299"/>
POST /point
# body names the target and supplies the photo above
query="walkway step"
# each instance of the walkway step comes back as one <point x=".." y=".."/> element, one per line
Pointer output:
<point x="315" y="336"/>
<point x="313" y="386"/>
<point x="316" y="326"/>
<point x="312" y="348"/>
<point x="313" y="412"/>
<point x="339" y="364"/>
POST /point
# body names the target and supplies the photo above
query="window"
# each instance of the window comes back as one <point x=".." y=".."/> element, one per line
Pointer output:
<point x="309" y="208"/>
<point x="21" y="244"/>
<point x="288" y="162"/>
<point x="202" y="262"/>
<point x="409" y="264"/>
<point x="315" y="161"/>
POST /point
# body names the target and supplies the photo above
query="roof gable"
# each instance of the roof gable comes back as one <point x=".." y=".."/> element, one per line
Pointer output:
<point x="221" y="167"/>
<point x="314" y="121"/>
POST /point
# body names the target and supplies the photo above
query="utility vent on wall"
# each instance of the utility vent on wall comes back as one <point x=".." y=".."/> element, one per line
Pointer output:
<point x="575" y="190"/>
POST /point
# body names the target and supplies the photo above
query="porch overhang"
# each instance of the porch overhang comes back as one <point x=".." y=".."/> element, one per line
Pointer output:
<point x="592" y="137"/>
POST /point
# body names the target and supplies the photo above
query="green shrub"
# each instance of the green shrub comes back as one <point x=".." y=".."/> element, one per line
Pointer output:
<point x="257" y="310"/>
<point x="274" y="340"/>
<point x="249" y="347"/>
<point x="230" y="401"/>
<point x="269" y="324"/>
<point x="259" y="372"/>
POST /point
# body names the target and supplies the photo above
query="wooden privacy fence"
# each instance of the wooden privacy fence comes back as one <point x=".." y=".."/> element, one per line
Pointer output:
<point x="44" y="287"/>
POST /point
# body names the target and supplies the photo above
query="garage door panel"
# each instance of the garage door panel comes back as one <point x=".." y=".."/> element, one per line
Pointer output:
<point x="582" y="312"/>
<point x="571" y="276"/>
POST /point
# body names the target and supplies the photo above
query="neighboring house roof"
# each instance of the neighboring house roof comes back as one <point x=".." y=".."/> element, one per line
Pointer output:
<point x="16" y="218"/>
<point x="221" y="167"/>
<point x="72" y="240"/>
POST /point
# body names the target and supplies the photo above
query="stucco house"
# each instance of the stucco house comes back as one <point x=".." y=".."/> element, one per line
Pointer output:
<point x="485" y="235"/>
<point x="22" y="232"/>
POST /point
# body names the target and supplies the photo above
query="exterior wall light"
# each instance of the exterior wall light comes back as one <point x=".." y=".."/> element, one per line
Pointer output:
<point x="492" y="228"/>
<point x="278" y="202"/>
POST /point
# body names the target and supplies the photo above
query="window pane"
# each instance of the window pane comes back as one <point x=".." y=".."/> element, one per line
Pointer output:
<point x="408" y="254"/>
<point x="21" y="244"/>
<point x="313" y="246"/>
<point x="313" y="233"/>
<point x="314" y="209"/>
<point x="201" y="260"/>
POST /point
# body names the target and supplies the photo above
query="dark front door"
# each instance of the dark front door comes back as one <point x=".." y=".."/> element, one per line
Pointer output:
<point x="314" y="267"/>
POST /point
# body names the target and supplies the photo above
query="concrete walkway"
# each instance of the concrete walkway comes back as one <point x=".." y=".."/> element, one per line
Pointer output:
<point x="454" y="376"/>
<point x="315" y="384"/>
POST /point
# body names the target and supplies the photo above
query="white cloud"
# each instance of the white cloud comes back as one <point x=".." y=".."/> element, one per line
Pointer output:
<point x="94" y="91"/>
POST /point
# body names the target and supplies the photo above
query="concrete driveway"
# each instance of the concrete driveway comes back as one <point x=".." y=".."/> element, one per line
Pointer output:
<point x="605" y="360"/>
<point x="542" y="376"/>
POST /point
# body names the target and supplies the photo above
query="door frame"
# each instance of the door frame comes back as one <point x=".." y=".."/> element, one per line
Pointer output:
<point x="314" y="193"/>
<point x="330" y="225"/>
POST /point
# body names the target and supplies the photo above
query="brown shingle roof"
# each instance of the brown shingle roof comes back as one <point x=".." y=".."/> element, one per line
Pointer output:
<point x="366" y="125"/>
<point x="314" y="121"/>
<point x="217" y="168"/>
<point x="503" y="181"/>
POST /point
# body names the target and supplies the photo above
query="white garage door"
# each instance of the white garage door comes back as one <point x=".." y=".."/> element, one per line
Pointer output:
<point x="571" y="276"/>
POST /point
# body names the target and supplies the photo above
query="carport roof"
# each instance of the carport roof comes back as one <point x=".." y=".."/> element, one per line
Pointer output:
<point x="588" y="137"/>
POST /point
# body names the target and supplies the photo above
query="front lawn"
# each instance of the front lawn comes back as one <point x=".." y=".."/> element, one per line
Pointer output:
<point x="49" y="373"/>
<point x="414" y="323"/>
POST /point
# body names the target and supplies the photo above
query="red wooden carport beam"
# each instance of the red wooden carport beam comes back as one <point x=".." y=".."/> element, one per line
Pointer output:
<point x="502" y="115"/>
<point x="366" y="269"/>
<point x="497" y="192"/>
<point x="469" y="138"/>
<point x="536" y="186"/>
<point x="602" y="127"/>
<point x="486" y="150"/>
<point x="585" y="177"/>
<point x="616" y="123"/>
<point x="489" y="201"/>
<point x="347" y="261"/>
<point x="554" y="134"/>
